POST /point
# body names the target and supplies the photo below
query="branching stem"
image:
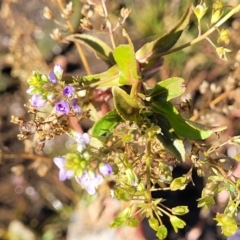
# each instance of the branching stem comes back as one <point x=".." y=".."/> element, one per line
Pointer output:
<point x="203" y="36"/>
<point x="79" y="48"/>
<point x="148" y="165"/>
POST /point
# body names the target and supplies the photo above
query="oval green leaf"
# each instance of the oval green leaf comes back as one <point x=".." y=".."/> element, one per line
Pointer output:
<point x="182" y="127"/>
<point x="106" y="124"/>
<point x="109" y="78"/>
<point x="168" y="89"/>
<point x="169" y="139"/>
<point x="124" y="56"/>
<point x="100" y="48"/>
<point x="164" y="43"/>
<point x="125" y="106"/>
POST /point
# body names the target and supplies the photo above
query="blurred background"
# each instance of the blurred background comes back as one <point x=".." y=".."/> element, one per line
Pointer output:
<point x="34" y="204"/>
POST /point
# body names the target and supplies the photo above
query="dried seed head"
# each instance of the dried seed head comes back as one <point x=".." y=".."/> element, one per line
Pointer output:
<point x="56" y="35"/>
<point x="23" y="136"/>
<point x="67" y="11"/>
<point x="47" y="13"/>
<point x="16" y="120"/>
<point x="86" y="24"/>
<point x="87" y="10"/>
<point x="125" y="12"/>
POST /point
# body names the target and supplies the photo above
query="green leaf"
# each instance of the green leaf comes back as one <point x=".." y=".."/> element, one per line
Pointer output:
<point x="169" y="139"/>
<point x="109" y="78"/>
<point x="177" y="223"/>
<point x="168" y="89"/>
<point x="106" y="124"/>
<point x="180" y="210"/>
<point x="182" y="127"/>
<point x="162" y="232"/>
<point x="100" y="48"/>
<point x="125" y="106"/>
<point x="173" y="145"/>
<point x="153" y="223"/>
<point x="124" y="56"/>
<point x="164" y="43"/>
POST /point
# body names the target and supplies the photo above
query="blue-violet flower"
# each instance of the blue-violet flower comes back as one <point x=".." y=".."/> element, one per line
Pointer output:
<point x="82" y="140"/>
<point x="52" y="77"/>
<point x="76" y="108"/>
<point x="62" y="107"/>
<point x="105" y="169"/>
<point x="37" y="101"/>
<point x="63" y="173"/>
<point x="68" y="91"/>
<point x="90" y="181"/>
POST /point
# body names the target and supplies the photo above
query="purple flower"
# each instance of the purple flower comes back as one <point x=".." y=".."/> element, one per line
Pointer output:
<point x="68" y="91"/>
<point x="105" y="169"/>
<point x="63" y="173"/>
<point x="90" y="181"/>
<point x="52" y="77"/>
<point x="82" y="140"/>
<point x="62" y="107"/>
<point x="37" y="101"/>
<point x="76" y="108"/>
<point x="58" y="71"/>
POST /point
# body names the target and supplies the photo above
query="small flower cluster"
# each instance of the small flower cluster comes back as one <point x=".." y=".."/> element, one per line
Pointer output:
<point x="74" y="165"/>
<point x="45" y="88"/>
<point x="42" y="88"/>
<point x="49" y="88"/>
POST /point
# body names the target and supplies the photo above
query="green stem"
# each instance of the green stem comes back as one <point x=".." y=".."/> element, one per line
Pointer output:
<point x="159" y="219"/>
<point x="165" y="212"/>
<point x="134" y="88"/>
<point x="148" y="165"/>
<point x="203" y="36"/>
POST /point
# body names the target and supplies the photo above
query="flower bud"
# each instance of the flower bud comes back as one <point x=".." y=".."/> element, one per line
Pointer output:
<point x="105" y="169"/>
<point x="217" y="11"/>
<point x="58" y="71"/>
<point x="200" y="11"/>
<point x="224" y="36"/>
<point x="216" y="15"/>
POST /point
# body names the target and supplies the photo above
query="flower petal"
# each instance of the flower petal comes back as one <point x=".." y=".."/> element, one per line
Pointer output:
<point x="37" y="101"/>
<point x="62" y="107"/>
<point x="62" y="174"/>
<point x="52" y="77"/>
<point x="59" y="161"/>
